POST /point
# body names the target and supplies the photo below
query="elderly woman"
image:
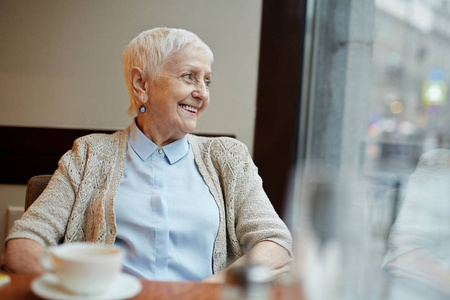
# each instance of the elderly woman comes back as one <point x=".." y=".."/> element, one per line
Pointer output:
<point x="182" y="207"/>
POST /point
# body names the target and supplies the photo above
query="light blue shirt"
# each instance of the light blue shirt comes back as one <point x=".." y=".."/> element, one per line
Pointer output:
<point x="167" y="220"/>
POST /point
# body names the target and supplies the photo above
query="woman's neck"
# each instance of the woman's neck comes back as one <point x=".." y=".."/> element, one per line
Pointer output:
<point x="160" y="136"/>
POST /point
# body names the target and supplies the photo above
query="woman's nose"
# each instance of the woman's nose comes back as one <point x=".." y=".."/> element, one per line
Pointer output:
<point x="201" y="91"/>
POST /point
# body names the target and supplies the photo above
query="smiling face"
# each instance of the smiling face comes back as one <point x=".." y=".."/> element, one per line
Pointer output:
<point x="177" y="97"/>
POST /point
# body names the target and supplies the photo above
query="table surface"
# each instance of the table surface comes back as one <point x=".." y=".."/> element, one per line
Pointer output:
<point x="19" y="288"/>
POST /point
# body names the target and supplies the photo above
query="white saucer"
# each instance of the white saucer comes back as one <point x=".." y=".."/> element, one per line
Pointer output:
<point x="124" y="286"/>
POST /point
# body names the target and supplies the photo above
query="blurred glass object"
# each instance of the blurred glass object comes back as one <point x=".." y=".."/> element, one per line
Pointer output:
<point x="341" y="222"/>
<point x="334" y="225"/>
<point x="247" y="282"/>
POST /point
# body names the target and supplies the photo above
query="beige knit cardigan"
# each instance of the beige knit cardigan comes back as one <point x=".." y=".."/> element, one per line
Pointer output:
<point x="77" y="204"/>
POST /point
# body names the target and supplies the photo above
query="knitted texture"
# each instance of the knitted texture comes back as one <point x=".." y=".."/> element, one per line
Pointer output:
<point x="77" y="204"/>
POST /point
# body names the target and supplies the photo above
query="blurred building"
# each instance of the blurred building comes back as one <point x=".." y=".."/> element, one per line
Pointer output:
<point x="409" y="109"/>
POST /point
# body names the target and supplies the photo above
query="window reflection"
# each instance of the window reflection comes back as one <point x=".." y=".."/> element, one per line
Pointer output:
<point x="409" y="116"/>
<point x="403" y="205"/>
<point x="409" y="111"/>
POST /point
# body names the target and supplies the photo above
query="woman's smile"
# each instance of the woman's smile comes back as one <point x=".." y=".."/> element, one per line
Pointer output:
<point x="189" y="109"/>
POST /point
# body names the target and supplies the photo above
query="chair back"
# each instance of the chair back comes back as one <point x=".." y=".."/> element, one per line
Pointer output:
<point x="35" y="186"/>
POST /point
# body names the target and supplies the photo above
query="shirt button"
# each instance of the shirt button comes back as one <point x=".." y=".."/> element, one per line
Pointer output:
<point x="159" y="151"/>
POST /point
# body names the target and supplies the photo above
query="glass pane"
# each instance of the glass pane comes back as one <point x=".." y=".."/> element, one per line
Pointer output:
<point x="409" y="112"/>
<point x="409" y="119"/>
<point x="371" y="200"/>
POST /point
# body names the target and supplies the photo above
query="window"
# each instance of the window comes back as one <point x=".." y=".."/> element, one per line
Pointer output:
<point x="374" y="99"/>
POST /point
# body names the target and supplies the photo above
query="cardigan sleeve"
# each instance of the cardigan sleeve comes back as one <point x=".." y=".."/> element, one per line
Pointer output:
<point x="254" y="217"/>
<point x="46" y="220"/>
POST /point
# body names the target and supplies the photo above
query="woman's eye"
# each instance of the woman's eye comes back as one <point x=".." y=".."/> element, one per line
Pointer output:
<point x="207" y="83"/>
<point x="188" y="75"/>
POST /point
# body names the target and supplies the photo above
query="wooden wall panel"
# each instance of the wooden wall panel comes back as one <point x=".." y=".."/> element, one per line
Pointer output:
<point x="279" y="86"/>
<point x="29" y="151"/>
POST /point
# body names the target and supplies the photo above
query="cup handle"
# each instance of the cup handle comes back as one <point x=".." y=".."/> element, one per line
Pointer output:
<point x="46" y="261"/>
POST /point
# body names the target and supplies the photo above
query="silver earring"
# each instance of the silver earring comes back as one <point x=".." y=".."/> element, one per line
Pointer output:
<point x="142" y="108"/>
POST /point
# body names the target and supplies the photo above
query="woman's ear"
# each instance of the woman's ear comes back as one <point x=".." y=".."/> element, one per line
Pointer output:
<point x="139" y="84"/>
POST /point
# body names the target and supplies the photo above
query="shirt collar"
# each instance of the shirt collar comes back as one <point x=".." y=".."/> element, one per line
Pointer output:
<point x="144" y="147"/>
<point x="176" y="150"/>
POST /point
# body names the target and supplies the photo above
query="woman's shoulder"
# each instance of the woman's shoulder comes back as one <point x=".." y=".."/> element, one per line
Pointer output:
<point x="221" y="151"/>
<point x="101" y="138"/>
<point x="100" y="141"/>
<point x="217" y="144"/>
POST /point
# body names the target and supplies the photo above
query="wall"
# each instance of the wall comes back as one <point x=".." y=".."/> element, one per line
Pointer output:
<point x="61" y="64"/>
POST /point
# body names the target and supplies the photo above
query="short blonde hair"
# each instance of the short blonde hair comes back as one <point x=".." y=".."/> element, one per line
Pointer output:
<point x="151" y="50"/>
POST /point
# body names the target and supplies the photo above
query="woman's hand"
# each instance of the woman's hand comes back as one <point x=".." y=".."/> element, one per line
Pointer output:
<point x="265" y="253"/>
<point x="22" y="256"/>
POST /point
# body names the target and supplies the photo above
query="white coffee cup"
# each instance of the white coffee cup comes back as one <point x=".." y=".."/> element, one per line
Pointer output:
<point x="84" y="268"/>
